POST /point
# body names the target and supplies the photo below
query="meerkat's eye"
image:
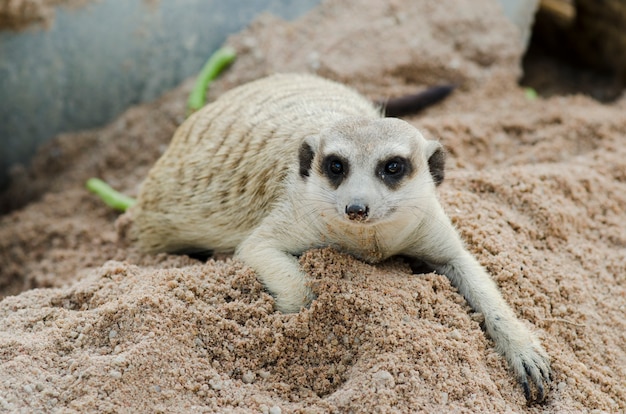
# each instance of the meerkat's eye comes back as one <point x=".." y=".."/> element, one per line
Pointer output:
<point x="393" y="170"/>
<point x="394" y="167"/>
<point x="335" y="167"/>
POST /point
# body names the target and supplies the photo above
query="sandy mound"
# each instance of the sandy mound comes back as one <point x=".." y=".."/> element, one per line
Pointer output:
<point x="536" y="187"/>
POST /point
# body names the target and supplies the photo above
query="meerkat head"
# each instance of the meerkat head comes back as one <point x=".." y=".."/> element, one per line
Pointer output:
<point x="367" y="170"/>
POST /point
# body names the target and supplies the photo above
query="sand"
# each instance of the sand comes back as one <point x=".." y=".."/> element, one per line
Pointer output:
<point x="537" y="188"/>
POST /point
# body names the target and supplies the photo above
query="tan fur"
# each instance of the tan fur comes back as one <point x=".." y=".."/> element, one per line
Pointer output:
<point x="250" y="173"/>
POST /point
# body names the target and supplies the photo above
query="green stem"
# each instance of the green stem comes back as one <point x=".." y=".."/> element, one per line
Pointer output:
<point x="221" y="58"/>
<point x="111" y="198"/>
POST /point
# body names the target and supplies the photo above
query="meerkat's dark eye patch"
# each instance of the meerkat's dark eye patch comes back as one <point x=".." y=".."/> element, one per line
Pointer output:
<point x="305" y="157"/>
<point x="393" y="170"/>
<point x="335" y="168"/>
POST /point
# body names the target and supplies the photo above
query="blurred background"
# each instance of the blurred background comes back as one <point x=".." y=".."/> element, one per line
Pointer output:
<point x="67" y="65"/>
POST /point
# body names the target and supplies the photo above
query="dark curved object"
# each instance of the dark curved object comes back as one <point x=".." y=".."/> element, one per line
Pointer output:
<point x="414" y="103"/>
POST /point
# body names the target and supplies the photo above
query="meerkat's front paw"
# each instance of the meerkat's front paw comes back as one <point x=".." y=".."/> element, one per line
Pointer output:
<point x="293" y="302"/>
<point x="531" y="364"/>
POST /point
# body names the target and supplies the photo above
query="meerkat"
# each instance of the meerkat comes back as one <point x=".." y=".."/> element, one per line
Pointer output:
<point x="293" y="162"/>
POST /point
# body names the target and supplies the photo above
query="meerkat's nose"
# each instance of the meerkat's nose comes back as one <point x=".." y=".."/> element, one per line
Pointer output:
<point x="357" y="211"/>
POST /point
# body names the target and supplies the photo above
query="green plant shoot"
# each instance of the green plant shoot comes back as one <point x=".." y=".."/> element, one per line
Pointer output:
<point x="221" y="58"/>
<point x="111" y="198"/>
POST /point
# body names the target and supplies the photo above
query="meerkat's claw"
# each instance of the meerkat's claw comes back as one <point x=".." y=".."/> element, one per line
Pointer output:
<point x="526" y="388"/>
<point x="536" y="369"/>
<point x="538" y="384"/>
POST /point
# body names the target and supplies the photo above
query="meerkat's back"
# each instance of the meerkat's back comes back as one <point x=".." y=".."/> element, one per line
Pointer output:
<point x="227" y="163"/>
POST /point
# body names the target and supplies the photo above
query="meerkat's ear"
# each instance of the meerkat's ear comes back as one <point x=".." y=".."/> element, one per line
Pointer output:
<point x="436" y="156"/>
<point x="306" y="153"/>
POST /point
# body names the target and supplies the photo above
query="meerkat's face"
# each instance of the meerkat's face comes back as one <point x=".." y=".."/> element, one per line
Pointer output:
<point x="366" y="171"/>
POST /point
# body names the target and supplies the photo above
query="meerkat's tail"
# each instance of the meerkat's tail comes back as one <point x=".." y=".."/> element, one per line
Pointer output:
<point x="411" y="104"/>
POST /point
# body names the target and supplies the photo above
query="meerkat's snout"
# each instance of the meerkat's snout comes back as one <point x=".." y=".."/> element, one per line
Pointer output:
<point x="357" y="211"/>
